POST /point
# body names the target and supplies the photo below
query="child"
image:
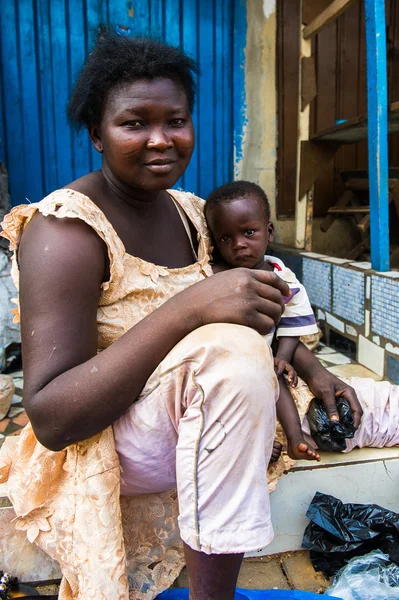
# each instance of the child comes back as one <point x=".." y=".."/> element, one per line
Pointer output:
<point x="238" y="217"/>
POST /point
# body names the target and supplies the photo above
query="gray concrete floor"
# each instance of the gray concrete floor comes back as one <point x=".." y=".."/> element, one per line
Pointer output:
<point x="291" y="570"/>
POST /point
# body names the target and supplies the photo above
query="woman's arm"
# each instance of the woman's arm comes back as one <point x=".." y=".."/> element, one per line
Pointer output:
<point x="324" y="385"/>
<point x="71" y="392"/>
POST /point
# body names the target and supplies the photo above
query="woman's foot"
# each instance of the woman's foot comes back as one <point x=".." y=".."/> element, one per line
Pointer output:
<point x="300" y="449"/>
<point x="276" y="452"/>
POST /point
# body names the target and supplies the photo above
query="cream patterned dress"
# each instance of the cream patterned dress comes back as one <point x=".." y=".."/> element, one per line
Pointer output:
<point x="109" y="547"/>
<point x="69" y="502"/>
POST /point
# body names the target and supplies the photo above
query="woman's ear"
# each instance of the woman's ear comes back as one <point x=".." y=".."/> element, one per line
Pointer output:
<point x="95" y="136"/>
<point x="270" y="231"/>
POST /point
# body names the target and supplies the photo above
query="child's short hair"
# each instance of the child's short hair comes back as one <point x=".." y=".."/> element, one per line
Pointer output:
<point x="237" y="189"/>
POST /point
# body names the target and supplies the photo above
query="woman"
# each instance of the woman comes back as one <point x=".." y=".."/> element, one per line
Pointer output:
<point x="116" y="263"/>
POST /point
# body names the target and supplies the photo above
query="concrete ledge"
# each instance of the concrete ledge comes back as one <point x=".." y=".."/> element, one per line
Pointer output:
<point x="367" y="476"/>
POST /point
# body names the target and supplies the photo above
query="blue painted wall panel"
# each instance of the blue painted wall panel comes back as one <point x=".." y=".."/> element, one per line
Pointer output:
<point x="42" y="46"/>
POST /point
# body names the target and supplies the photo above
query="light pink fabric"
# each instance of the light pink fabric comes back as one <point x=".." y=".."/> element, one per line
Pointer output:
<point x="380" y="422"/>
<point x="205" y="421"/>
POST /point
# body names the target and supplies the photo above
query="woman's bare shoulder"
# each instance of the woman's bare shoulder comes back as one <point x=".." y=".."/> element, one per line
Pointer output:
<point x="89" y="185"/>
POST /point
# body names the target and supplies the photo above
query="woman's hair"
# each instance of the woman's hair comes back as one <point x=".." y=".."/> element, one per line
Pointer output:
<point x="117" y="60"/>
<point x="232" y="191"/>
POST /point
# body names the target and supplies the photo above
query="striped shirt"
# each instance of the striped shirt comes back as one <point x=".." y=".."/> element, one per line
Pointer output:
<point x="298" y="318"/>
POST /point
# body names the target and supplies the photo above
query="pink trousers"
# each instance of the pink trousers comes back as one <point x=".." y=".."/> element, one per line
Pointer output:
<point x="205" y="423"/>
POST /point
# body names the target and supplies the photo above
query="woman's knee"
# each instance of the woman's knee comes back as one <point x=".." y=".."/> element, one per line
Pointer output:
<point x="226" y="341"/>
<point x="231" y="360"/>
<point x="238" y="346"/>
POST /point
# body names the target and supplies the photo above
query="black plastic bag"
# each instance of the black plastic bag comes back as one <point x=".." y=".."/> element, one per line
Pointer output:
<point x="338" y="532"/>
<point x="330" y="435"/>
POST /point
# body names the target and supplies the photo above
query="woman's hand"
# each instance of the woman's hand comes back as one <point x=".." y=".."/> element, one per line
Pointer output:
<point x="242" y="296"/>
<point x="324" y="385"/>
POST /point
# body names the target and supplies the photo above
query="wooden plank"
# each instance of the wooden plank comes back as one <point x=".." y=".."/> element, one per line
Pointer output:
<point x="395" y="257"/>
<point x="309" y="220"/>
<point x="349" y="210"/>
<point x="393" y="173"/>
<point x="392" y="7"/>
<point x="239" y="92"/>
<point x="394" y="190"/>
<point x="347" y="75"/>
<point x="347" y="197"/>
<point x="33" y="169"/>
<point x="361" y="184"/>
<point x="355" y="130"/>
<point x="364" y="224"/>
<point x="228" y="100"/>
<point x="359" y="249"/>
<point x="377" y="132"/>
<point x="156" y="21"/>
<point x="352" y="130"/>
<point x="80" y="143"/>
<point x="332" y="12"/>
<point x="361" y="147"/>
<point x="205" y="135"/>
<point x="312" y="8"/>
<point x="315" y="157"/>
<point x="301" y="205"/>
<point x="324" y="108"/>
<point x="288" y="43"/>
<point x="309" y="85"/>
<point x="12" y="102"/>
<point x="190" y="32"/>
<point x="220" y="142"/>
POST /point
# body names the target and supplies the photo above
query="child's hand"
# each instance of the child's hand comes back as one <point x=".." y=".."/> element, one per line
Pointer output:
<point x="282" y="366"/>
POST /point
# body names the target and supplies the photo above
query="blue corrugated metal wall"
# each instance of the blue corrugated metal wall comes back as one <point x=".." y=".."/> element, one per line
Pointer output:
<point x="43" y="44"/>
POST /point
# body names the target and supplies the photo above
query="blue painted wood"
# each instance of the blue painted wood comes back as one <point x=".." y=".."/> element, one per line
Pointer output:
<point x="189" y="17"/>
<point x="239" y="112"/>
<point x="60" y="65"/>
<point x="81" y="145"/>
<point x="42" y="46"/>
<point x="219" y="139"/>
<point x="377" y="132"/>
<point x="31" y="121"/>
<point x="227" y="108"/>
<point x="47" y="130"/>
<point x="156" y="24"/>
<point x="12" y="101"/>
<point x="207" y="111"/>
<point x="96" y="14"/>
<point x="3" y="148"/>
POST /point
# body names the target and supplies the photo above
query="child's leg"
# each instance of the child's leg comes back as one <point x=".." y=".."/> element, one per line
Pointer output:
<point x="288" y="416"/>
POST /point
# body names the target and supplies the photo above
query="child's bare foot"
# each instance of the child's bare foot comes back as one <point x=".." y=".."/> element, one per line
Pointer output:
<point x="301" y="450"/>
<point x="276" y="452"/>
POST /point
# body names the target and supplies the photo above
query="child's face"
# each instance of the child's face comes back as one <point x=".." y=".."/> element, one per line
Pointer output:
<point x="241" y="231"/>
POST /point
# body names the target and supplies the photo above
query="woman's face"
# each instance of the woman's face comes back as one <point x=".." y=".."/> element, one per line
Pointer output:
<point x="146" y="134"/>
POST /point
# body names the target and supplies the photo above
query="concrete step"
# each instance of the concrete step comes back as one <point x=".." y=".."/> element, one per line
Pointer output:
<point x="366" y="476"/>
